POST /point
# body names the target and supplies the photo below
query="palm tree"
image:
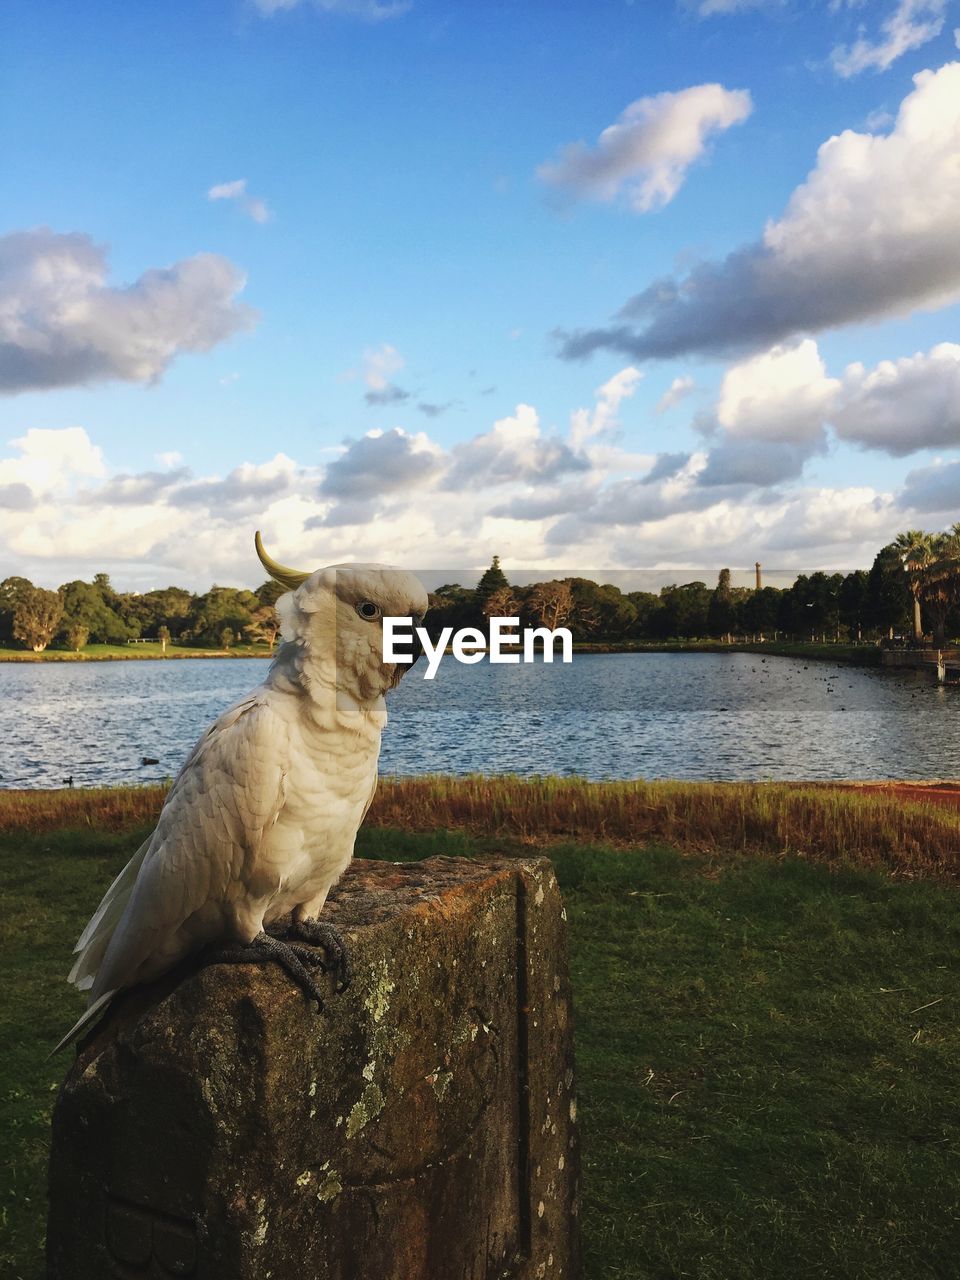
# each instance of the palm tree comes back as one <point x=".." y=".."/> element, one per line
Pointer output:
<point x="918" y="552"/>
<point x="941" y="583"/>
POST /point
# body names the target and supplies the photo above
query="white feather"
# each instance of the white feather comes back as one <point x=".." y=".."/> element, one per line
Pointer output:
<point x="262" y="818"/>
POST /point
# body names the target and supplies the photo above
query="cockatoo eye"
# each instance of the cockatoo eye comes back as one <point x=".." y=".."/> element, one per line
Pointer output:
<point x="368" y="610"/>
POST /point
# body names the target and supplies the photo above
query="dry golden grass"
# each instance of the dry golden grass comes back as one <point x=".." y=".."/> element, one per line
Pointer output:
<point x="911" y="837"/>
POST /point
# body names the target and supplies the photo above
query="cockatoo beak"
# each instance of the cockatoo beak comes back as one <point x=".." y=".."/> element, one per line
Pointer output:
<point x="401" y="669"/>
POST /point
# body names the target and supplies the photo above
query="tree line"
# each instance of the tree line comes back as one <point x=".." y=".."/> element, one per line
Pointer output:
<point x="81" y="613"/>
<point x="865" y="605"/>
<point x="912" y="589"/>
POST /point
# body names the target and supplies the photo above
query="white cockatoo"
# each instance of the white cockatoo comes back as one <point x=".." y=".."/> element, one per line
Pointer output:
<point x="262" y="819"/>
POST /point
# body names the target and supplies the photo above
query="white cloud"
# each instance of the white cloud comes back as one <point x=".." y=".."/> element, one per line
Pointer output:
<point x="382" y="463"/>
<point x="874" y="231"/>
<point x="878" y="120"/>
<point x="647" y="153"/>
<point x="538" y="497"/>
<point x="678" y="390"/>
<point x="903" y="405"/>
<point x="253" y="206"/>
<point x="378" y="364"/>
<point x="933" y="489"/>
<point x="49" y="460"/>
<point x="62" y="324"/>
<point x="783" y="394"/>
<point x="912" y="23"/>
<point x="602" y="419"/>
<point x="368" y="10"/>
<point x="514" y="449"/>
<point x="714" y="8"/>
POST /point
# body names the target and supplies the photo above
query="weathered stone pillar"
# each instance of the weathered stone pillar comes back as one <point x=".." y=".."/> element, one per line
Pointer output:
<point x="421" y="1128"/>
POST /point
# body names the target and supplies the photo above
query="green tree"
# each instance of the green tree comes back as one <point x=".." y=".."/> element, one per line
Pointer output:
<point x="918" y="553"/>
<point x="264" y="626"/>
<point x="683" y="612"/>
<point x="760" y="612"/>
<point x="493" y="579"/>
<point x="36" y="617"/>
<point x="220" y="608"/>
<point x="85" y="605"/>
<point x="551" y="603"/>
<point x="77" y="636"/>
<point x="168" y="607"/>
<point x="452" y="606"/>
<point x="889" y="600"/>
<point x="853" y="600"/>
<point x="721" y="614"/>
<point x="11" y="591"/>
<point x="269" y="592"/>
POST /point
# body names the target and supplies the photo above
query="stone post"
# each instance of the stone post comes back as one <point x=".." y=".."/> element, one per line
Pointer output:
<point x="421" y="1128"/>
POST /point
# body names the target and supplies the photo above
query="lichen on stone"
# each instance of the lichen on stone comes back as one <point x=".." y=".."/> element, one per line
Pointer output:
<point x="331" y="1187"/>
<point x="366" y="1108"/>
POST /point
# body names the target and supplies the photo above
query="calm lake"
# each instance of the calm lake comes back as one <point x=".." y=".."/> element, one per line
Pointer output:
<point x="657" y="715"/>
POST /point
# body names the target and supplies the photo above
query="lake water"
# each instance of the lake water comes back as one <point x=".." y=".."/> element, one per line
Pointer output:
<point x="653" y="715"/>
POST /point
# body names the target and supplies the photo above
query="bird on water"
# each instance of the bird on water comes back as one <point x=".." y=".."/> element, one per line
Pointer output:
<point x="261" y="821"/>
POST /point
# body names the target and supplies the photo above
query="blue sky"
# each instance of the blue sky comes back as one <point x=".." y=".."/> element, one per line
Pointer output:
<point x="433" y="238"/>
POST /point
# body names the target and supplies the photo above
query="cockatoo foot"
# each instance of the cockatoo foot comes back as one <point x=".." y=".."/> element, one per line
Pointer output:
<point x="334" y="944"/>
<point x="296" y="959"/>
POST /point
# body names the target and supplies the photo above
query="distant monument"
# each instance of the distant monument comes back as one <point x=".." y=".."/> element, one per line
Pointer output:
<point x="759" y="579"/>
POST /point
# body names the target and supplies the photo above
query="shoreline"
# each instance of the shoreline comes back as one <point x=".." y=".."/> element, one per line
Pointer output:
<point x="864" y="655"/>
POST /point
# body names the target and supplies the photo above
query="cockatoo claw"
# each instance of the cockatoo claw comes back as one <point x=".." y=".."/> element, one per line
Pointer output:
<point x="293" y="957"/>
<point x="334" y="944"/>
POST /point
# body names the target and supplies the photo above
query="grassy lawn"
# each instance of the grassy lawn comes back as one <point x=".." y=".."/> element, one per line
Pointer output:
<point x="101" y="652"/>
<point x="767" y="1045"/>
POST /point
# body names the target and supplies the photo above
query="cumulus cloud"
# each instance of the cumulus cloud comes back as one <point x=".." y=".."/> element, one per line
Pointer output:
<point x="62" y="324"/>
<point x="780" y="395"/>
<point x="874" y="231"/>
<point x="246" y="488"/>
<point x="912" y="23"/>
<point x="540" y="497"/>
<point x="514" y="449"/>
<point x="932" y="489"/>
<point x="381" y="463"/>
<point x="898" y="407"/>
<point x="131" y="490"/>
<point x="647" y="152"/>
<point x="50" y="459"/>
<point x="757" y="463"/>
<point x="903" y="405"/>
<point x="16" y="497"/>
<point x="678" y="390"/>
<point x="253" y="206"/>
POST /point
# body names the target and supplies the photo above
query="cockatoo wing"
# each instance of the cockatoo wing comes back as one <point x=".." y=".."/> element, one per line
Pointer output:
<point x="181" y="886"/>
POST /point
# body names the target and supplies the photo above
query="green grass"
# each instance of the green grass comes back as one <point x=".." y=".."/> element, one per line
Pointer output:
<point x="761" y="1095"/>
<point x="873" y="826"/>
<point x="104" y="652"/>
